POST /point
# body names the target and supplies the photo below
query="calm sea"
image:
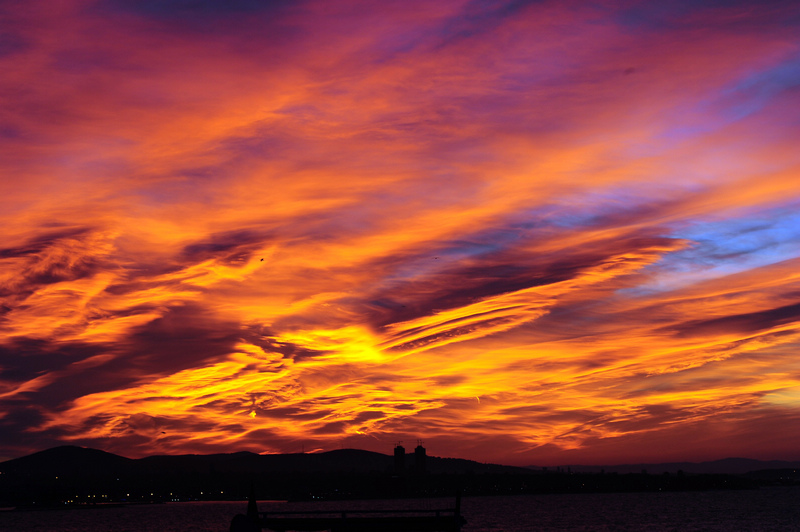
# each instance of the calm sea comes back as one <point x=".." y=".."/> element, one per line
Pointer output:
<point x="767" y="509"/>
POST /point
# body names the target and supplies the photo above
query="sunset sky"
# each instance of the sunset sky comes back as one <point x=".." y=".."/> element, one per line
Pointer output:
<point x="549" y="232"/>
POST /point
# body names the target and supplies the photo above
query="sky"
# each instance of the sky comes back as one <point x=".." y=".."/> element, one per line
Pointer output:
<point x="529" y="233"/>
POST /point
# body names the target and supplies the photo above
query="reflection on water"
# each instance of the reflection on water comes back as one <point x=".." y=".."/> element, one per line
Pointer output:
<point x="758" y="510"/>
<point x="768" y="509"/>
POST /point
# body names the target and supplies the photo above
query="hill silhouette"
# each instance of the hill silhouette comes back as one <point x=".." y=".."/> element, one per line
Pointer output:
<point x="67" y="460"/>
<point x="725" y="466"/>
<point x="91" y="474"/>
<point x="338" y="461"/>
<point x="81" y="476"/>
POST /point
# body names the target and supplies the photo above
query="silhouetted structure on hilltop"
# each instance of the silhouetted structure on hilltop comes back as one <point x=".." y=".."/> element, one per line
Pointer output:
<point x="399" y="459"/>
<point x="419" y="458"/>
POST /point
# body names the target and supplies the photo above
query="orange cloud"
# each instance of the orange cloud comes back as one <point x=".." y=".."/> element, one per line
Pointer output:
<point x="525" y="233"/>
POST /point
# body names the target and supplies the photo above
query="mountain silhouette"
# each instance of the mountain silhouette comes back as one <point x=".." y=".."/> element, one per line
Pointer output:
<point x="82" y="476"/>
<point x="725" y="466"/>
<point x="67" y="460"/>
<point x="50" y="475"/>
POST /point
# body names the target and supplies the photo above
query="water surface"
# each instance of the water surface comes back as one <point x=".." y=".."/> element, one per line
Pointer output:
<point x="768" y="509"/>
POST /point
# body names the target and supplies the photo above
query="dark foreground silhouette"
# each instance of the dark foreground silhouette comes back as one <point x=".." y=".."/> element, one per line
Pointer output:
<point x="78" y="477"/>
<point x="386" y="520"/>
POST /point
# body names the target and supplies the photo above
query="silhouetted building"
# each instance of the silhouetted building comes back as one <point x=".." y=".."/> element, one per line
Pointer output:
<point x="399" y="459"/>
<point x="419" y="459"/>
